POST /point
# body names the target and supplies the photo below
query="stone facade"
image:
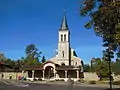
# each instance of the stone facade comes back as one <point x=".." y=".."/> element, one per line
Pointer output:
<point x="14" y="75"/>
<point x="65" y="64"/>
<point x="87" y="76"/>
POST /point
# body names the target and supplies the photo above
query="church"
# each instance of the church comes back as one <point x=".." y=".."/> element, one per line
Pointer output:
<point x="65" y="64"/>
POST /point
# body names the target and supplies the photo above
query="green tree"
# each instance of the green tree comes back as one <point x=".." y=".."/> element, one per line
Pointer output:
<point x="6" y="60"/>
<point x="116" y="67"/>
<point x="102" y="70"/>
<point x="105" y="21"/>
<point x="2" y="57"/>
<point x="43" y="59"/>
<point x="94" y="63"/>
<point x="100" y="67"/>
<point x="10" y="62"/>
<point x="32" y="55"/>
<point x="86" y="68"/>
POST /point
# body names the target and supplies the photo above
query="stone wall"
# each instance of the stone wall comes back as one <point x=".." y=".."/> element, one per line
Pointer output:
<point x="88" y="76"/>
<point x="116" y="77"/>
<point x="14" y="74"/>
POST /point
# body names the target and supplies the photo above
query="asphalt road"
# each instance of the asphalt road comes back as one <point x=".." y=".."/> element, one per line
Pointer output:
<point x="33" y="86"/>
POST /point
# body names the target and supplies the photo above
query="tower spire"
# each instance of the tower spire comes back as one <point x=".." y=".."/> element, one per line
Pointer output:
<point x="64" y="25"/>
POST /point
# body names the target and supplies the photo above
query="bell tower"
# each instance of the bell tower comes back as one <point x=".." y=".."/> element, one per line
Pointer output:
<point x="64" y="43"/>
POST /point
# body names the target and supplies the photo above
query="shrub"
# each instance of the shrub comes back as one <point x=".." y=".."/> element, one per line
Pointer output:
<point x="34" y="79"/>
<point x="62" y="80"/>
<point x="92" y="82"/>
<point x="59" y="80"/>
<point x="116" y="82"/>
<point x="25" y="79"/>
<point x="39" y="79"/>
<point x="80" y="80"/>
<point x="105" y="79"/>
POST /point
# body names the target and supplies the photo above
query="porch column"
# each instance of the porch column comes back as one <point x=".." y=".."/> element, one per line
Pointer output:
<point x="33" y="73"/>
<point x="43" y="74"/>
<point x="65" y="73"/>
<point x="77" y="73"/>
<point x="54" y="73"/>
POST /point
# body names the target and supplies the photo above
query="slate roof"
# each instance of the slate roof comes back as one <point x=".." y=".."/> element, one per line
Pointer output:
<point x="64" y="25"/>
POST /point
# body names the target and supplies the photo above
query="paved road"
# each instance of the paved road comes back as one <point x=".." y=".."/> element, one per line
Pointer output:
<point x="33" y="86"/>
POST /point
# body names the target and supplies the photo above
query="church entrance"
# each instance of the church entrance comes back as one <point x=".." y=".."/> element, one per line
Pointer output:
<point x="49" y="72"/>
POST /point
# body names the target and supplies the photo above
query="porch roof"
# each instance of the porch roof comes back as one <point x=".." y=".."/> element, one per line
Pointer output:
<point x="33" y="67"/>
<point x="67" y="68"/>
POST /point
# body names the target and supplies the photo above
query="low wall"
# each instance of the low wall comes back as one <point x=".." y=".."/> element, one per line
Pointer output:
<point x="116" y="77"/>
<point x="88" y="76"/>
<point x="14" y="74"/>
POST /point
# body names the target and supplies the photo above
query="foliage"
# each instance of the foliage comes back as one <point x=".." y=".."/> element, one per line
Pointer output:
<point x="39" y="79"/>
<point x="100" y="67"/>
<point x="32" y="55"/>
<point x="5" y="60"/>
<point x="102" y="70"/>
<point x="92" y="82"/>
<point x="105" y="20"/>
<point x="86" y="68"/>
<point x="94" y="64"/>
<point x="116" y="82"/>
<point x="116" y="67"/>
<point x="2" y="57"/>
<point x="32" y="58"/>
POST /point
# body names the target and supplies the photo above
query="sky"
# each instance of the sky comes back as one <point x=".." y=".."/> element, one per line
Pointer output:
<point x="23" y="22"/>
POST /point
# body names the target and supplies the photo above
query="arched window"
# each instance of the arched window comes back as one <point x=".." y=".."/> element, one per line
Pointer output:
<point x="64" y="37"/>
<point x="61" y="37"/>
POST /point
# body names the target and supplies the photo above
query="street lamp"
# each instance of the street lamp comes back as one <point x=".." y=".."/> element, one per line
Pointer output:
<point x="109" y="54"/>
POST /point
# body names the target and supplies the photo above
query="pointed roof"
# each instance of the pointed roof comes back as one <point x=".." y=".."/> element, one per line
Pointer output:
<point x="64" y="25"/>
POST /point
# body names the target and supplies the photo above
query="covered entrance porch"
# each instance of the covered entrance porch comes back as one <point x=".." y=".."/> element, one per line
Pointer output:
<point x="52" y="71"/>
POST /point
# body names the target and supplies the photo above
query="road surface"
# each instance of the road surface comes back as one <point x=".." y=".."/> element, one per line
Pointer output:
<point x="34" y="86"/>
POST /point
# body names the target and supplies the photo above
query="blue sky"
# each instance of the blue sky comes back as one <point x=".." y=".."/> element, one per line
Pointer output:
<point x="23" y="22"/>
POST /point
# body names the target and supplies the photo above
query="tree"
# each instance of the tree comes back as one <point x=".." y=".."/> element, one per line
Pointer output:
<point x="105" y="21"/>
<point x="100" y="66"/>
<point x="116" y="67"/>
<point x="94" y="63"/>
<point x="43" y="59"/>
<point x="32" y="55"/>
<point x="86" y="68"/>
<point x="9" y="62"/>
<point x="6" y="60"/>
<point x="102" y="70"/>
<point x="2" y="57"/>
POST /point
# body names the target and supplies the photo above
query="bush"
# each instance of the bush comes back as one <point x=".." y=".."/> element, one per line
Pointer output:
<point x="24" y="79"/>
<point x="34" y="79"/>
<point x="92" y="82"/>
<point x="80" y="80"/>
<point x="59" y="80"/>
<point x="116" y="83"/>
<point x="104" y="79"/>
<point x="39" y="79"/>
<point x="62" y="80"/>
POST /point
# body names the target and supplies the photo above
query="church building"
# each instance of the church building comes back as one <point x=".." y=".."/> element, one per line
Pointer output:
<point x="64" y="65"/>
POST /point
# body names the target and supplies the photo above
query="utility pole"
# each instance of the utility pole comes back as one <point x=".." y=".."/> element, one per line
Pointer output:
<point x="109" y="54"/>
<point x="110" y="77"/>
